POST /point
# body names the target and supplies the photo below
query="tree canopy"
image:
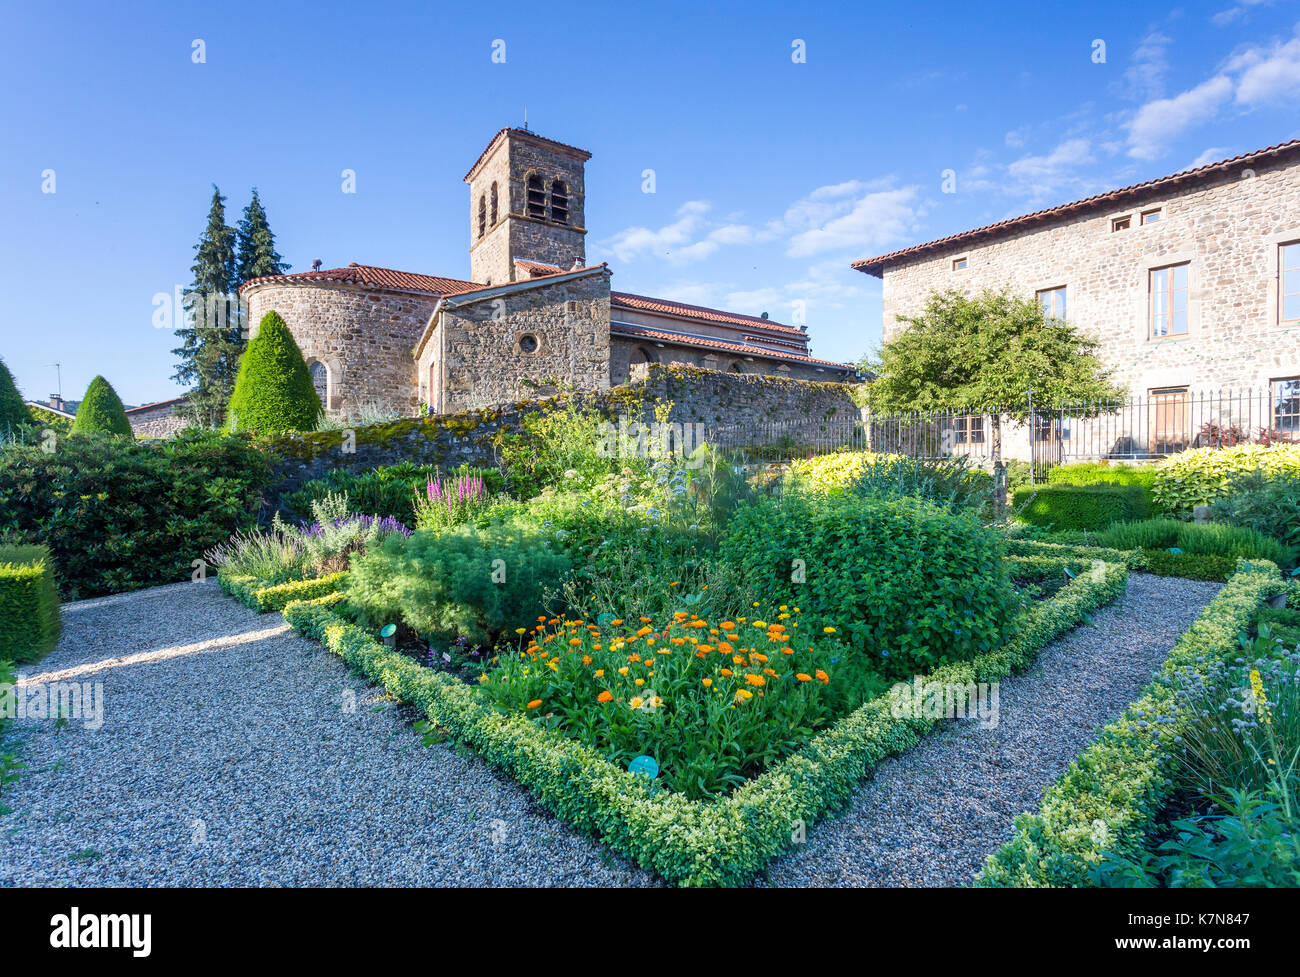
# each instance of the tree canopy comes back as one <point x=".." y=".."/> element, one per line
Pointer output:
<point x="101" y="411"/>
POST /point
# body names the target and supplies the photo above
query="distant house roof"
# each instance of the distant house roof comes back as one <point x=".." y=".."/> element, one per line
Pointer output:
<point x="157" y="404"/>
<point x="644" y="303"/>
<point x="371" y="276"/>
<point x="876" y="266"/>
<point x="631" y="331"/>
<point x="52" y="410"/>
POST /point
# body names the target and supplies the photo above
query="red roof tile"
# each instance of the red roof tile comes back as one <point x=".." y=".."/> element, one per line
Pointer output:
<point x="354" y="274"/>
<point x="536" y="269"/>
<point x="876" y="266"/>
<point x="471" y="287"/>
<point x="157" y="403"/>
<point x="643" y="332"/>
<point x="644" y="303"/>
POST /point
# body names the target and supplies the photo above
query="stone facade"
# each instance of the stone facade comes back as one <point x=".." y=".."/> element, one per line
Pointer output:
<point x="501" y="345"/>
<point x="716" y="399"/>
<point x="363" y="336"/>
<point x="1226" y="225"/>
<point x="160" y="420"/>
<point x="548" y="228"/>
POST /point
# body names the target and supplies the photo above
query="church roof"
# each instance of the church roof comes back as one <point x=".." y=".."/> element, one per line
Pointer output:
<point x="372" y="276"/>
<point x="708" y="342"/>
<point x="644" y="303"/>
<point x="525" y="134"/>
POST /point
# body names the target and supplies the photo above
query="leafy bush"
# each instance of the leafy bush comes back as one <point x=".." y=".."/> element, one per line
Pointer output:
<point x="101" y="411"/>
<point x="910" y="584"/>
<point x="273" y="390"/>
<point x="336" y="536"/>
<point x="1193" y="566"/>
<point x="564" y="443"/>
<point x="43" y="418"/>
<point x="255" y="593"/>
<point x="120" y="515"/>
<point x="267" y="557"/>
<point x="1204" y="475"/>
<point x="1104" y="473"/>
<point x="1078" y="506"/>
<point x="29" y="604"/>
<point x="470" y="582"/>
<point x="1268" y="504"/>
<point x="13" y="409"/>
<point x="1200" y="539"/>
<point x="950" y="482"/>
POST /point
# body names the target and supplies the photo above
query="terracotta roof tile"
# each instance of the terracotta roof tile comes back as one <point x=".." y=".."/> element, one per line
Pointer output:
<point x="354" y="274"/>
<point x="643" y="332"/>
<point x="876" y="266"/>
<point x="644" y="303"/>
<point x="469" y="288"/>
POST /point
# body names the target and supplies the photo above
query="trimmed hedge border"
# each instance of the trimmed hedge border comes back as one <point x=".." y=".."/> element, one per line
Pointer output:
<point x="690" y="843"/>
<point x="1133" y="559"/>
<point x="1162" y="563"/>
<point x="1089" y="507"/>
<point x="262" y="597"/>
<point x="29" y="604"/>
<point x="1111" y="797"/>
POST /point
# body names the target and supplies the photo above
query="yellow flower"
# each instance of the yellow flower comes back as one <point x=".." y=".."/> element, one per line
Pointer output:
<point x="554" y="664"/>
<point x="1261" y="700"/>
<point x="639" y="682"/>
<point x="484" y="679"/>
<point x="519" y="631"/>
<point x="760" y="624"/>
<point x="636" y="702"/>
<point x="828" y="630"/>
<point x="707" y="683"/>
<point x="623" y="670"/>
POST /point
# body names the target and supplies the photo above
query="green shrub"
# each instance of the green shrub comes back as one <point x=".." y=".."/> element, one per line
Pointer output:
<point x="1198" y="539"/>
<point x="29" y="604"/>
<point x="1078" y="506"/>
<point x="951" y="482"/>
<point x="101" y="411"/>
<point x="1269" y="504"/>
<point x="907" y="582"/>
<point x="121" y="515"/>
<point x="1103" y="473"/>
<point x="1193" y="566"/>
<point x="13" y="409"/>
<point x="273" y="390"/>
<point x="473" y="583"/>
<point x="1204" y="475"/>
<point x="1111" y="798"/>
<point x="255" y="593"/>
<point x="564" y="444"/>
<point x="1131" y="558"/>
<point x="43" y="418"/>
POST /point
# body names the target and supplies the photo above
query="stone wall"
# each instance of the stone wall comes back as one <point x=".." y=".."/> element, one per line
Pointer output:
<point x="501" y="348"/>
<point x="715" y="398"/>
<point x="364" y="336"/>
<point x="158" y="420"/>
<point x="627" y="352"/>
<point x="1229" y="228"/>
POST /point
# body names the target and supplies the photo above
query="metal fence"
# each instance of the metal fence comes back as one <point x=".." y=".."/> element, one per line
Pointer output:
<point x="1139" y="429"/>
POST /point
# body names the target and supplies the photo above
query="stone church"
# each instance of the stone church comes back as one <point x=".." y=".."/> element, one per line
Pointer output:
<point x="533" y="315"/>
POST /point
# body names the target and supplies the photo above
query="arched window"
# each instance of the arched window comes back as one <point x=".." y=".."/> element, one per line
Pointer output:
<point x="482" y="214"/>
<point x="536" y="196"/>
<point x="320" y="379"/>
<point x="641" y="355"/>
<point x="736" y="367"/>
<point x="494" y="204"/>
<point x="559" y="202"/>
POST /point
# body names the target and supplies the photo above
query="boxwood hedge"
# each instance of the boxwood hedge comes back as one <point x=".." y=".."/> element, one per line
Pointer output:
<point x="29" y="604"/>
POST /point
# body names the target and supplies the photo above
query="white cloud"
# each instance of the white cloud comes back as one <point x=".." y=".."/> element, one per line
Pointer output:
<point x="1268" y="75"/>
<point x="633" y="241"/>
<point x="1211" y="155"/>
<point x="850" y="216"/>
<point x="1146" y="72"/>
<point x="1040" y="175"/>
<point x="1224" y="17"/>
<point x="1158" y="122"/>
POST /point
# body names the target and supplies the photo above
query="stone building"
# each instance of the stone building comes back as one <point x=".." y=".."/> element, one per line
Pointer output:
<point x="1190" y="282"/>
<point x="532" y="316"/>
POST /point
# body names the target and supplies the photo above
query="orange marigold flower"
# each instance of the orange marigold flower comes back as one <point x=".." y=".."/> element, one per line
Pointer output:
<point x="586" y="659"/>
<point x="605" y="696"/>
<point x="822" y="676"/>
<point x="725" y="647"/>
<point x="617" y="621"/>
<point x="707" y="682"/>
<point x="645" y="620"/>
<point x="738" y="659"/>
<point x="755" y="680"/>
<point x="727" y="626"/>
<point x="726" y="672"/>
<point x="787" y="651"/>
<point x="804" y="677"/>
<point x="643" y="632"/>
<point x="534" y="704"/>
<point x="575" y="641"/>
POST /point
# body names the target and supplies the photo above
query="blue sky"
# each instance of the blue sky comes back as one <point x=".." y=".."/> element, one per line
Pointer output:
<point x="770" y="175"/>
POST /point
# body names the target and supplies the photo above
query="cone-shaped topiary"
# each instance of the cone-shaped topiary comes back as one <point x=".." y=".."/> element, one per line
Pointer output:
<point x="273" y="389"/>
<point x="13" y="411"/>
<point x="101" y="411"/>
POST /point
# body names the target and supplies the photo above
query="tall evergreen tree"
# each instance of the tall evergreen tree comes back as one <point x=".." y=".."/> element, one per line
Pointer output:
<point x="256" y="244"/>
<point x="211" y="340"/>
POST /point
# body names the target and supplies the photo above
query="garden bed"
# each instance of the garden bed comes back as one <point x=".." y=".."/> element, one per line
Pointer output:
<point x="722" y="841"/>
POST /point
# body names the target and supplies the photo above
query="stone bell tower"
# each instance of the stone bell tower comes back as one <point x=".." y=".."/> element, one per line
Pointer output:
<point x="526" y="202"/>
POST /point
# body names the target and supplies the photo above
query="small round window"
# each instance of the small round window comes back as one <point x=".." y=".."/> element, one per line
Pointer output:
<point x="528" y="343"/>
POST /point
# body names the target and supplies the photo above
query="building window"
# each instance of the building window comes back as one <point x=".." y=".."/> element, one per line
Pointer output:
<point x="1169" y="301"/>
<point x="559" y="202"/>
<point x="1286" y="405"/>
<point x="494" y="204"/>
<point x="320" y="379"/>
<point x="482" y="214"/>
<point x="1121" y="223"/>
<point x="958" y="264"/>
<point x="968" y="429"/>
<point x="1150" y="216"/>
<point x="1053" y="302"/>
<point x="536" y="196"/>
<point x="528" y="343"/>
<point x="1288" y="263"/>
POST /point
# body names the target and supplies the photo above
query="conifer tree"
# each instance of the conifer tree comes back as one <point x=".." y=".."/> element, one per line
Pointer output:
<point x="101" y="411"/>
<point x="13" y="409"/>
<point x="256" y="244"/>
<point x="273" y="392"/>
<point x="211" y="339"/>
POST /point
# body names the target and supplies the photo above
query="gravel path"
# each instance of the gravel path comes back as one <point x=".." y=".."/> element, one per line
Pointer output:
<point x="228" y="756"/>
<point x="930" y="816"/>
